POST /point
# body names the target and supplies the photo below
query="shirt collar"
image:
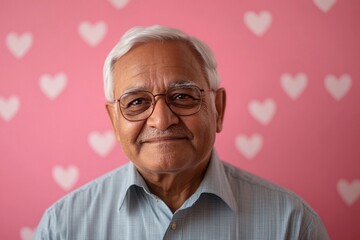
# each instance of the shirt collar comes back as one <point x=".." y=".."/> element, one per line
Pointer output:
<point x="215" y="182"/>
<point x="131" y="178"/>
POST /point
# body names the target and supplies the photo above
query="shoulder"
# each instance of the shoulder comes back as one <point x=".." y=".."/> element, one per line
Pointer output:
<point x="265" y="205"/>
<point x="249" y="187"/>
<point x="99" y="188"/>
<point x="68" y="212"/>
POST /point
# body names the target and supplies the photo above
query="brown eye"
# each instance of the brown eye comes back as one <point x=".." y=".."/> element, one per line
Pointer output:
<point x="136" y="102"/>
<point x="181" y="96"/>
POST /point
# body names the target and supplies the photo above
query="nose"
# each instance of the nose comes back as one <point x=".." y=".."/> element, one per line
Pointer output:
<point x="162" y="117"/>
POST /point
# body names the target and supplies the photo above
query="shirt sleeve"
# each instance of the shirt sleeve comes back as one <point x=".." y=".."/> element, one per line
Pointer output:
<point x="315" y="230"/>
<point x="45" y="229"/>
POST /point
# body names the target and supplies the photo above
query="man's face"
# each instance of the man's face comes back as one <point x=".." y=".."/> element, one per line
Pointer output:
<point x="165" y="142"/>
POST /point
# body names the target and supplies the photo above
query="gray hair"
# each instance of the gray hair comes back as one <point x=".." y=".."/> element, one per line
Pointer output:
<point x="138" y="35"/>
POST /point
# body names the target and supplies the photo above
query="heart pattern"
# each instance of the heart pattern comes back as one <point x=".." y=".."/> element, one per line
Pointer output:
<point x="258" y="23"/>
<point x="92" y="34"/>
<point x="272" y="57"/>
<point x="19" y="45"/>
<point x="294" y="86"/>
<point x="102" y="143"/>
<point x="9" y="107"/>
<point x="26" y="233"/>
<point x="324" y="5"/>
<point x="349" y="191"/>
<point x="66" y="178"/>
<point x="249" y="146"/>
<point x="119" y="3"/>
<point x="338" y="87"/>
<point x="263" y="112"/>
<point x="53" y="86"/>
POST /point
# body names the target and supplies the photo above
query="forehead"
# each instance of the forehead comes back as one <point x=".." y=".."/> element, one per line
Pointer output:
<point x="157" y="63"/>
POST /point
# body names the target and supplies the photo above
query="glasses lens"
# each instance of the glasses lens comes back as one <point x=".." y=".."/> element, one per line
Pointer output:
<point x="184" y="100"/>
<point x="135" y="105"/>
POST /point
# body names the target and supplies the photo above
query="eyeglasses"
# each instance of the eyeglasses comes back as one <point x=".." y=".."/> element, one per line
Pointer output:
<point x="183" y="101"/>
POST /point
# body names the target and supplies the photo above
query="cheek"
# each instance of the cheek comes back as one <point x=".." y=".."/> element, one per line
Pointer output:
<point x="203" y="127"/>
<point x="128" y="132"/>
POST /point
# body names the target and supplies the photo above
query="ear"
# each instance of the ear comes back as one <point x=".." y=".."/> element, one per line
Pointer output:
<point x="113" y="114"/>
<point x="220" y="103"/>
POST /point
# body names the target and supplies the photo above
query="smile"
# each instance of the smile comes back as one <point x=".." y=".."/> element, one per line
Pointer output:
<point x="163" y="139"/>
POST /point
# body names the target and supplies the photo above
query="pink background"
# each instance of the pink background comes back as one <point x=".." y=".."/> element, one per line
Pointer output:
<point x="291" y="70"/>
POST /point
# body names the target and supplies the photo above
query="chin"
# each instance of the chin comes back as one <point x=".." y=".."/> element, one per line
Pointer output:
<point x="164" y="163"/>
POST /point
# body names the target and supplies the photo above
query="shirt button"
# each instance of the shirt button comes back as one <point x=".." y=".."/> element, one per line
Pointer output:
<point x="173" y="226"/>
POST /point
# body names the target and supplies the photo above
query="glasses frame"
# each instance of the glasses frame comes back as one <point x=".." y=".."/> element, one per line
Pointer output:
<point x="202" y="91"/>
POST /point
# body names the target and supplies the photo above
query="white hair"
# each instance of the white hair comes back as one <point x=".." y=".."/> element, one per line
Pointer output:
<point x="138" y="35"/>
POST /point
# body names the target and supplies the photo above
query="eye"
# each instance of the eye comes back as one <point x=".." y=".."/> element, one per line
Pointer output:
<point x="181" y="96"/>
<point x="182" y="99"/>
<point x="138" y="102"/>
<point x="135" y="100"/>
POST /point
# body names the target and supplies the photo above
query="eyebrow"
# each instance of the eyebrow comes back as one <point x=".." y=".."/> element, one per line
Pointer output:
<point x="183" y="83"/>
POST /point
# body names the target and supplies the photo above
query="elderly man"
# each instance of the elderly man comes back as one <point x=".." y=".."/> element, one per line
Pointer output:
<point x="166" y="106"/>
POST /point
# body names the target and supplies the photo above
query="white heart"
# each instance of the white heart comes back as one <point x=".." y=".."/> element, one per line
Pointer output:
<point x="92" y="34"/>
<point x="293" y="86"/>
<point x="262" y="112"/>
<point x="119" y="3"/>
<point x="53" y="86"/>
<point x="349" y="192"/>
<point x="102" y="143"/>
<point x="26" y="233"/>
<point x="337" y="88"/>
<point x="324" y="5"/>
<point x="65" y="178"/>
<point x="19" y="45"/>
<point x="8" y="108"/>
<point x="249" y="146"/>
<point x="258" y="24"/>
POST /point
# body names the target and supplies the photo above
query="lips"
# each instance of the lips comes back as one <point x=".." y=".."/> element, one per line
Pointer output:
<point x="171" y="134"/>
<point x="163" y="139"/>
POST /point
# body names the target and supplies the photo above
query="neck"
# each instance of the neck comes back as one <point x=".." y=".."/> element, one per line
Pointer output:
<point x="175" y="188"/>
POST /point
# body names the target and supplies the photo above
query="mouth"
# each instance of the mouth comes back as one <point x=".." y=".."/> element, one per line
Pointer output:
<point x="171" y="135"/>
<point x="163" y="139"/>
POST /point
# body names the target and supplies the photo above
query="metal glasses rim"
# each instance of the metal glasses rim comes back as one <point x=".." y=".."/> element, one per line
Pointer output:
<point x="117" y="102"/>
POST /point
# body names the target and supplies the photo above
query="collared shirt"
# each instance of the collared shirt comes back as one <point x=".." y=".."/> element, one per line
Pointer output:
<point x="229" y="204"/>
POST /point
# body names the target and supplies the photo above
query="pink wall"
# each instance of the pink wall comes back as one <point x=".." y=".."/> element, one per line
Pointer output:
<point x="291" y="69"/>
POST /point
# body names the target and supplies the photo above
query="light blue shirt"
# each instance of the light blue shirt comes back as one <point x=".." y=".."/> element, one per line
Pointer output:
<point x="229" y="204"/>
